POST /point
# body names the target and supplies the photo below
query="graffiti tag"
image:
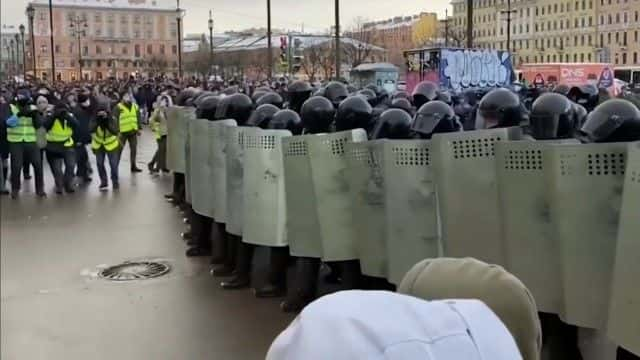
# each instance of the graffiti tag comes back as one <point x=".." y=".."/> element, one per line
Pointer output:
<point x="475" y="68"/>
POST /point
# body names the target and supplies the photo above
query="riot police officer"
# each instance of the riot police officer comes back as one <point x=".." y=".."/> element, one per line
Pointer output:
<point x="336" y="92"/>
<point x="585" y="95"/>
<point x="298" y="92"/>
<point x="402" y="104"/>
<point x="500" y="108"/>
<point x="353" y="113"/>
<point x="317" y="115"/>
<point x="434" y="117"/>
<point x="424" y="92"/>
<point x="553" y="116"/>
<point x="271" y="98"/>
<point x="262" y="116"/>
<point x="393" y="124"/>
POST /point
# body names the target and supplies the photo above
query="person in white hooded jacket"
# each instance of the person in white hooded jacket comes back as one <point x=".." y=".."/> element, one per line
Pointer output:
<point x="379" y="325"/>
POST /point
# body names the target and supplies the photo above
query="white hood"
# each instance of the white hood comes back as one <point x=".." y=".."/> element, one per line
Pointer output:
<point x="384" y="325"/>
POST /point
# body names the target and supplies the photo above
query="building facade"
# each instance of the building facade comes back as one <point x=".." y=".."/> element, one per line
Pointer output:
<point x="109" y="38"/>
<point x="11" y="52"/>
<point x="554" y="31"/>
<point x="399" y="34"/>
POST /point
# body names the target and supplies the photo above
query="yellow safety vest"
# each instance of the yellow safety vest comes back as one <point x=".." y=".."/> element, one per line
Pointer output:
<point x="104" y="139"/>
<point x="128" y="118"/>
<point x="24" y="131"/>
<point x="60" y="133"/>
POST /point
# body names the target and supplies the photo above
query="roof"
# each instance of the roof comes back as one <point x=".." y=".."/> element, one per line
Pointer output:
<point x="165" y="5"/>
<point x="302" y="41"/>
<point x="381" y="67"/>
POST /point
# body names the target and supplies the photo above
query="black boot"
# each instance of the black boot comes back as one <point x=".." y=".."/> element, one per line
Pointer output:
<point x="200" y="231"/>
<point x="559" y="340"/>
<point x="242" y="275"/>
<point x="219" y="241"/>
<point x="305" y="285"/>
<point x="276" y="285"/>
<point x="227" y="268"/>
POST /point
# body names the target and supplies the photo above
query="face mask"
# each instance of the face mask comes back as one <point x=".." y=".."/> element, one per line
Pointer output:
<point x="86" y="103"/>
<point x="126" y="99"/>
<point x="22" y="101"/>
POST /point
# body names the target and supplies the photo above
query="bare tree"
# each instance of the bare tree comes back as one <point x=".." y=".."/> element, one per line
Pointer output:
<point x="457" y="37"/>
<point x="358" y="52"/>
<point x="312" y="62"/>
<point x="156" y="65"/>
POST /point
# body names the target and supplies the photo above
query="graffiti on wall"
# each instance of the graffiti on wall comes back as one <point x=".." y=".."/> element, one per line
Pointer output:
<point x="461" y="68"/>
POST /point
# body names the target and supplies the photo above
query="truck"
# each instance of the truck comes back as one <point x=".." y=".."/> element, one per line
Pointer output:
<point x="458" y="69"/>
<point x="570" y="74"/>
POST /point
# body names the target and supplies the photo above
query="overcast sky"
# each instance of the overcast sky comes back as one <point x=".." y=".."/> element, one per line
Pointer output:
<point x="316" y="15"/>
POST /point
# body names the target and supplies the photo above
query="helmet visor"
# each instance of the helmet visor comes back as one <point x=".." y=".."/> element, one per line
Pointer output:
<point x="600" y="127"/>
<point x="426" y="123"/>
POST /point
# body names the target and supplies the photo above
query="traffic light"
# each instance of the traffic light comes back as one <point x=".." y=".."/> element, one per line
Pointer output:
<point x="283" y="50"/>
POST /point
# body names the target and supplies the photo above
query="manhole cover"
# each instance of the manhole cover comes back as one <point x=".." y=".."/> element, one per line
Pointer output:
<point x="135" y="270"/>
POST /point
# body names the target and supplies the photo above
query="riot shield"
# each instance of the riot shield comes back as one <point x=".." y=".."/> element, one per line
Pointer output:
<point x="584" y="185"/>
<point x="413" y="232"/>
<point x="624" y="313"/>
<point x="187" y="163"/>
<point x="328" y="172"/>
<point x="464" y="164"/>
<point x="303" y="229"/>
<point x="200" y="167"/>
<point x="177" y="128"/>
<point x="234" y="153"/>
<point x="264" y="212"/>
<point x="366" y="182"/>
<point x="526" y="225"/>
<point x="217" y="144"/>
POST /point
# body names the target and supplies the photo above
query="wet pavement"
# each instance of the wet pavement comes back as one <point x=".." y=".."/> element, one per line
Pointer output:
<point x="54" y="306"/>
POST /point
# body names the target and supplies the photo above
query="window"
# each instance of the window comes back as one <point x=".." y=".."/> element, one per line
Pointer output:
<point x="555" y="8"/>
<point x="610" y="19"/>
<point x="527" y="28"/>
<point x="136" y="34"/>
<point x="635" y="57"/>
<point x="536" y="13"/>
<point x="625" y="18"/>
<point x="576" y="23"/>
<point x="582" y="57"/>
<point x="617" y="38"/>
<point x="543" y="10"/>
<point x="589" y="57"/>
<point x="149" y="49"/>
<point x="99" y="63"/>
<point x="125" y="50"/>
<point x="98" y="50"/>
<point x="85" y="50"/>
<point x="617" y="18"/>
<point x="528" y="14"/>
<point x="174" y="49"/>
<point x="609" y="38"/>
<point x="624" y="38"/>
<point x="98" y="31"/>
<point x="97" y="17"/>
<point x="590" y="40"/>
<point x="624" y="58"/>
<point x="635" y="36"/>
<point x="110" y="32"/>
<point x="124" y="19"/>
<point x="554" y="57"/>
<point x="582" y="40"/>
<point x="584" y="5"/>
<point x="582" y="22"/>
<point x="575" y="57"/>
<point x="590" y="21"/>
<point x="110" y="18"/>
<point x="110" y="50"/>
<point x="136" y="50"/>
<point x="57" y="49"/>
<point x="161" y="49"/>
<point x="601" y="19"/>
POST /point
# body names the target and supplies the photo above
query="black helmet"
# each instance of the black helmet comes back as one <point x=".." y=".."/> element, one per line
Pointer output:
<point x="201" y="96"/>
<point x="336" y="92"/>
<point x="585" y="95"/>
<point x="317" y="114"/>
<point x="424" y="92"/>
<point x="286" y="120"/>
<point x="552" y="117"/>
<point x="236" y="106"/>
<point x="262" y="116"/>
<point x="258" y="93"/>
<point x="402" y="104"/>
<point x="186" y="94"/>
<point x="271" y="98"/>
<point x="393" y="124"/>
<point x="370" y="96"/>
<point x="372" y="87"/>
<point x="401" y="95"/>
<point x="230" y="90"/>
<point x="353" y="113"/>
<point x="434" y="117"/>
<point x="562" y="89"/>
<point x="614" y="120"/>
<point x="500" y="108"/>
<point x="207" y="107"/>
<point x="351" y="89"/>
<point x="299" y="92"/>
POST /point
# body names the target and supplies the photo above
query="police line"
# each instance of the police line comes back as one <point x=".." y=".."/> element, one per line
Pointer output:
<point x="564" y="217"/>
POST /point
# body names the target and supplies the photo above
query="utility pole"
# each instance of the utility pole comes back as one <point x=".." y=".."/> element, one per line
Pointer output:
<point x="78" y="27"/>
<point x="508" y="13"/>
<point x="337" y="8"/>
<point x="53" y="58"/>
<point x="24" y="54"/>
<point x="210" y="43"/>
<point x="470" y="24"/>
<point x="446" y="27"/>
<point x="13" y="59"/>
<point x="179" y="21"/>
<point x="17" y="37"/>
<point x="30" y="15"/>
<point x="269" y="53"/>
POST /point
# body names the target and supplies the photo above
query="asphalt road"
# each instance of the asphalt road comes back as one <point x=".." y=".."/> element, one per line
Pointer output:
<point x="53" y="306"/>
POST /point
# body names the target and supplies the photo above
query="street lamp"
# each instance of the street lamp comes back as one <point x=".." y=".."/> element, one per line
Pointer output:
<point x="31" y="12"/>
<point x="13" y="59"/>
<point x="337" y="10"/>
<point x="269" y="53"/>
<point x="53" y="58"/>
<point x="179" y="21"/>
<point x="210" y="42"/>
<point x="79" y="29"/>
<point x="17" y="38"/>
<point x="24" y="53"/>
